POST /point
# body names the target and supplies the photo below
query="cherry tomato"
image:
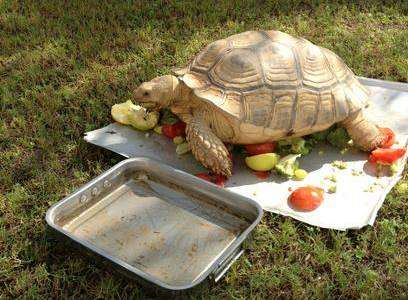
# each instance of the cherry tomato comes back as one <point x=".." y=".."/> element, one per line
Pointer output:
<point x="177" y="129"/>
<point x="216" y="179"/>
<point x="306" y="198"/>
<point x="386" y="156"/>
<point x="389" y="137"/>
<point x="255" y="149"/>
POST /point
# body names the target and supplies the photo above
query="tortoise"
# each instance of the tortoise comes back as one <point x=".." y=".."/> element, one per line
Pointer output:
<point x="257" y="87"/>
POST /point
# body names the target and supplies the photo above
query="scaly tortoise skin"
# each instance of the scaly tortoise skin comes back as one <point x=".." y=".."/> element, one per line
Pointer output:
<point x="261" y="86"/>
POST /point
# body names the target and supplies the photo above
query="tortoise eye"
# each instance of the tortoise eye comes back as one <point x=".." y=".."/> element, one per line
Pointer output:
<point x="146" y="94"/>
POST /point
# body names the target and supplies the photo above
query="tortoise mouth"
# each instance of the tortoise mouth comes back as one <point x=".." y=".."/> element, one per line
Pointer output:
<point x="150" y="106"/>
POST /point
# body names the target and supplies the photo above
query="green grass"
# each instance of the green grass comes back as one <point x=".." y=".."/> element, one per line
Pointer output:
<point x="63" y="65"/>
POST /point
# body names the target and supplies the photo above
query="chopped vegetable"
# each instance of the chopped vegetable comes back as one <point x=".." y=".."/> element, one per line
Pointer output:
<point x="177" y="129"/>
<point x="262" y="162"/>
<point x="296" y="145"/>
<point x="158" y="129"/>
<point x="129" y="114"/>
<point x="254" y="149"/>
<point x="300" y="174"/>
<point x="389" y="137"/>
<point x="321" y="135"/>
<point x="178" y="140"/>
<point x="394" y="167"/>
<point x="386" y="156"/>
<point x="338" y="138"/>
<point x="288" y="165"/>
<point x="339" y="164"/>
<point x="168" y="117"/>
<point x="183" y="148"/>
<point x="306" y="198"/>
<point x="262" y="174"/>
<point x="332" y="189"/>
<point x="331" y="177"/>
<point x="216" y="179"/>
<point x="354" y="172"/>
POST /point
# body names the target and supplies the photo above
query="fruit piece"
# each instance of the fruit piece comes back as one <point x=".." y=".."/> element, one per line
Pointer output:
<point x="178" y="140"/>
<point x="288" y="165"/>
<point x="389" y="137"/>
<point x="332" y="189"/>
<point x="140" y="119"/>
<point x="262" y="174"/>
<point x="158" y="129"/>
<point x="183" y="148"/>
<point x="216" y="179"/>
<point x="262" y="162"/>
<point x="339" y="164"/>
<point x="306" y="198"/>
<point x="177" y="129"/>
<point x="300" y="174"/>
<point x="255" y="149"/>
<point x="386" y="156"/>
<point x="129" y="114"/>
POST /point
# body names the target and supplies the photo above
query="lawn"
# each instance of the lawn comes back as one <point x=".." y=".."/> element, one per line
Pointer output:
<point x="63" y="64"/>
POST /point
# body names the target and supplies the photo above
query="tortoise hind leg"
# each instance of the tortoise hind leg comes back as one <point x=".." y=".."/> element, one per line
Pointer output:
<point x="207" y="148"/>
<point x="365" y="134"/>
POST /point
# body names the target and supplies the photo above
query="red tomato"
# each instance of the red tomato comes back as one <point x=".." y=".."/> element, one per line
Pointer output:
<point x="389" y="137"/>
<point x="255" y="149"/>
<point x="262" y="174"/>
<point x="177" y="129"/>
<point x="306" y="198"/>
<point x="216" y="179"/>
<point x="386" y="156"/>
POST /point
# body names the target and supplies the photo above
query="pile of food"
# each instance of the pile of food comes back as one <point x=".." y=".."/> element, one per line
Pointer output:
<point x="281" y="157"/>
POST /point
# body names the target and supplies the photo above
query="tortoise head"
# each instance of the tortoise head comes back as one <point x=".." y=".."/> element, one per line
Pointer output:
<point x="157" y="93"/>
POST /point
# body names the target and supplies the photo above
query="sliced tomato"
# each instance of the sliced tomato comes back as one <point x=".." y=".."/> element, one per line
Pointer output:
<point x="386" y="156"/>
<point x="177" y="129"/>
<point x="306" y="198"/>
<point x="216" y="179"/>
<point x="262" y="174"/>
<point x="255" y="149"/>
<point x="389" y="137"/>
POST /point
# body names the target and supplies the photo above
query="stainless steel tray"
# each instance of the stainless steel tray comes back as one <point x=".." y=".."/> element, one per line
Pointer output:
<point x="158" y="223"/>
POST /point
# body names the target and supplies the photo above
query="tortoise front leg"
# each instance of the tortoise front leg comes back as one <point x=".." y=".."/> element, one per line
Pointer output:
<point x="365" y="134"/>
<point x="207" y="148"/>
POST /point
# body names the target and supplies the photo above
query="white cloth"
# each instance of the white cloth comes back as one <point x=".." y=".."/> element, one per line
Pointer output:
<point x="358" y="197"/>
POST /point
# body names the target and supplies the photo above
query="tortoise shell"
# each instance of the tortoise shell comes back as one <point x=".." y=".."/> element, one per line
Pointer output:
<point x="272" y="80"/>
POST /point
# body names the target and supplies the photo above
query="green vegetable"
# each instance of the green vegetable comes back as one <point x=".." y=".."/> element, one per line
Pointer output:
<point x="158" y="129"/>
<point x="339" y="138"/>
<point x="178" y="140"/>
<point x="339" y="164"/>
<point x="332" y="189"/>
<point x="262" y="162"/>
<point x="300" y="174"/>
<point x="183" y="148"/>
<point x="321" y="135"/>
<point x="288" y="165"/>
<point x="295" y="145"/>
<point x="168" y="117"/>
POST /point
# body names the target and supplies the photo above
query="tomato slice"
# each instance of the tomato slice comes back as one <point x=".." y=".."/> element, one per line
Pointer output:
<point x="389" y="137"/>
<point x="262" y="174"/>
<point x="306" y="198"/>
<point x="255" y="149"/>
<point x="213" y="178"/>
<point x="386" y="156"/>
<point x="177" y="129"/>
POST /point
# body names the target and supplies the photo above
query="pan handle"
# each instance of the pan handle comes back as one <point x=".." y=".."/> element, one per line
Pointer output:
<point x="226" y="264"/>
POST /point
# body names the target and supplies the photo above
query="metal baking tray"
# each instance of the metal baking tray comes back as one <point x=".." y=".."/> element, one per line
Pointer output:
<point x="159" y="224"/>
